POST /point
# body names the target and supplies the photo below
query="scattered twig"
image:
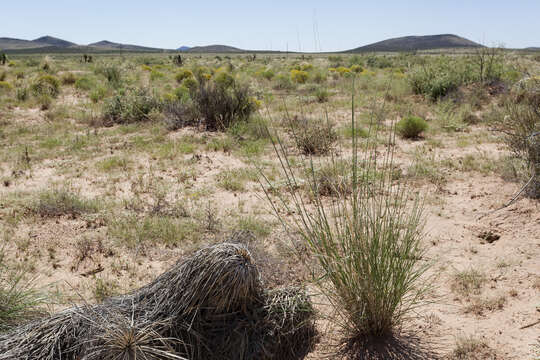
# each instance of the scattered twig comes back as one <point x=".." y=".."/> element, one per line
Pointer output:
<point x="530" y="325"/>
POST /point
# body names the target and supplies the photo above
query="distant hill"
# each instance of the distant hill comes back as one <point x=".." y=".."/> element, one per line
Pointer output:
<point x="533" y="48"/>
<point x="411" y="43"/>
<point x="14" y="44"/>
<point x="109" y="45"/>
<point x="183" y="48"/>
<point x="52" y="41"/>
<point x="215" y="49"/>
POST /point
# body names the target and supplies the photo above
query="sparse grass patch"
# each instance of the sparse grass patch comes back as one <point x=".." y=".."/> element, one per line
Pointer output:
<point x="135" y="232"/>
<point x="104" y="288"/>
<point x="60" y="202"/>
<point x="114" y="163"/>
<point x="468" y="282"/>
<point x="235" y="180"/>
<point x="471" y="348"/>
<point x="257" y="226"/>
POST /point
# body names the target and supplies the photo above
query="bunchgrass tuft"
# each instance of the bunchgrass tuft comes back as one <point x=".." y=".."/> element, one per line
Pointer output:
<point x="365" y="245"/>
<point x="20" y="301"/>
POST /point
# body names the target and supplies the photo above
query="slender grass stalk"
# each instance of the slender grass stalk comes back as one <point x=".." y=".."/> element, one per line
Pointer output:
<point x="365" y="243"/>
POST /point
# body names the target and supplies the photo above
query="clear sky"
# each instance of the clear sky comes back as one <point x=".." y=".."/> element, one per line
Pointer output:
<point x="306" y="25"/>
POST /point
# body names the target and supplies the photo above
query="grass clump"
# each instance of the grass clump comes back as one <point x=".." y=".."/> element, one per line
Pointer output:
<point x="468" y="282"/>
<point x="20" y="301"/>
<point x="411" y="127"/>
<point x="60" y="202"/>
<point x="46" y="85"/>
<point x="365" y="246"/>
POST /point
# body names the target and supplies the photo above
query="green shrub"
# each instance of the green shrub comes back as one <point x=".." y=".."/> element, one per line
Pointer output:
<point x="183" y="74"/>
<point x="221" y="107"/>
<point x="268" y="74"/>
<point x="84" y="83"/>
<point x="190" y="83"/>
<point x="156" y="75"/>
<point x="224" y="79"/>
<point x="46" y="85"/>
<point x="5" y="87"/>
<point x="356" y="69"/>
<point x="411" y="127"/>
<point x="521" y="129"/>
<point x="22" y="93"/>
<point x="128" y="106"/>
<point x="98" y="94"/>
<point x="284" y="82"/>
<point x="299" y="76"/>
<point x="111" y="73"/>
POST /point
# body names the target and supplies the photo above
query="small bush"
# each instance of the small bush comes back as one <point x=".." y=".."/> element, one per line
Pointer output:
<point x="129" y="106"/>
<point x="411" y="127"/>
<point x="156" y="75"/>
<point x="84" y="84"/>
<point x="219" y="107"/>
<point x="299" y="76"/>
<point x="183" y="74"/>
<point x="5" y="87"/>
<point x="46" y="85"/>
<point x="98" y="94"/>
<point x="284" y="82"/>
<point x="356" y="69"/>
<point x="111" y="73"/>
<point x="313" y="137"/>
<point x="521" y="129"/>
<point x="22" y="93"/>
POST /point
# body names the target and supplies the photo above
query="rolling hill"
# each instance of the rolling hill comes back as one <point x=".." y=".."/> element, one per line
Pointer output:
<point x="52" y="41"/>
<point x="411" y="43"/>
<point x="14" y="44"/>
<point x="109" y="45"/>
<point x="215" y="49"/>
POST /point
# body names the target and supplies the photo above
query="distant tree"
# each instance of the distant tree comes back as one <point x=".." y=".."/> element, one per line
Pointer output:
<point x="3" y="59"/>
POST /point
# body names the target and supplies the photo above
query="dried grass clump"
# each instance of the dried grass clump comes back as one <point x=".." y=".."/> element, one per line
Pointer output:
<point x="210" y="306"/>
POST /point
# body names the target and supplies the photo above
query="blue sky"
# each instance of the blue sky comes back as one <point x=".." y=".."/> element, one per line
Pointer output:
<point x="306" y="25"/>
